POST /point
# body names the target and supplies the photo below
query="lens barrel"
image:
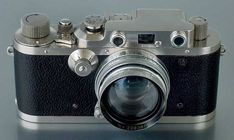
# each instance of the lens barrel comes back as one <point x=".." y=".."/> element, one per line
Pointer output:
<point x="132" y="88"/>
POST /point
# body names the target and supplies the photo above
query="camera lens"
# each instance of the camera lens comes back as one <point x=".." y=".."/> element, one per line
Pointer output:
<point x="132" y="87"/>
<point x="132" y="97"/>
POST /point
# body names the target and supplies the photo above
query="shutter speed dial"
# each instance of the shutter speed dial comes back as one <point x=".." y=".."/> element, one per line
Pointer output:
<point x="94" y="23"/>
<point x="82" y="62"/>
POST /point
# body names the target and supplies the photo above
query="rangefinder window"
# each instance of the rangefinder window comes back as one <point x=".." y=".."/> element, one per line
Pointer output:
<point x="146" y="38"/>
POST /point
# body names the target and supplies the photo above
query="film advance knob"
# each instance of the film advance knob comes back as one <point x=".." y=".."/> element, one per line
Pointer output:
<point x="82" y="62"/>
<point x="35" y="26"/>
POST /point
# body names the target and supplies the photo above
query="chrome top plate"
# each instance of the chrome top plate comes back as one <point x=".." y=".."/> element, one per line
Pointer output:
<point x="160" y="23"/>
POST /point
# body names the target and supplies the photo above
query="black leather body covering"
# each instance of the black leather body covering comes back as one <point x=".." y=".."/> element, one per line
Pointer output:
<point x="45" y="86"/>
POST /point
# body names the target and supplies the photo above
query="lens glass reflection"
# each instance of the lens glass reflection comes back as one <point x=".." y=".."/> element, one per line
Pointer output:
<point x="132" y="96"/>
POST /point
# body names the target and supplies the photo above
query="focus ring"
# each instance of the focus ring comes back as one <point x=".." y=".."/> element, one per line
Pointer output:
<point x="133" y="63"/>
<point x="127" y="57"/>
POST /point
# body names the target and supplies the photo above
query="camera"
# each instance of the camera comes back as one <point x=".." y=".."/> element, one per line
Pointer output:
<point x="129" y="70"/>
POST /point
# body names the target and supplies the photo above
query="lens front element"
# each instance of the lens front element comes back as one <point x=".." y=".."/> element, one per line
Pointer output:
<point x="132" y="88"/>
<point x="132" y="97"/>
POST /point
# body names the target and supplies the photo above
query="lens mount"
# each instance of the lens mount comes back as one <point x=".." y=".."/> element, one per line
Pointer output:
<point x="132" y="63"/>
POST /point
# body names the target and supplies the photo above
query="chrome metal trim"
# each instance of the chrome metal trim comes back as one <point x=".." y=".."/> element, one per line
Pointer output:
<point x="83" y="62"/>
<point x="126" y="57"/>
<point x="176" y="34"/>
<point x="92" y="119"/>
<point x="42" y="42"/>
<point x="107" y="127"/>
<point x="10" y="50"/>
<point x="117" y="34"/>
<point x="208" y="46"/>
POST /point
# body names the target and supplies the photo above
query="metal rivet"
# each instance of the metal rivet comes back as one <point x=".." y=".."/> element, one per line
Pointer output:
<point x="180" y="105"/>
<point x="37" y="42"/>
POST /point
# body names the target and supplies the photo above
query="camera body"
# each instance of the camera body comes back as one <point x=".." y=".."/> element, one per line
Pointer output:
<point x="65" y="74"/>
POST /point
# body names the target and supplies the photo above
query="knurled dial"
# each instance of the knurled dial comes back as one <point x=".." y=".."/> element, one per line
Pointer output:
<point x="35" y="26"/>
<point x="82" y="62"/>
<point x="94" y="22"/>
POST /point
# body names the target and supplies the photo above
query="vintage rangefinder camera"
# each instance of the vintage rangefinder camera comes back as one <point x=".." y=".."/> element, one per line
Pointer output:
<point x="129" y="70"/>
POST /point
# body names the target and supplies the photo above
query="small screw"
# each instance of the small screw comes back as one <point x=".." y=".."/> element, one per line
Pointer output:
<point x="75" y="106"/>
<point x="37" y="42"/>
<point x="82" y="68"/>
<point x="158" y="43"/>
<point x="222" y="50"/>
<point x="106" y="51"/>
<point x="10" y="50"/>
<point x="187" y="51"/>
<point x="46" y="51"/>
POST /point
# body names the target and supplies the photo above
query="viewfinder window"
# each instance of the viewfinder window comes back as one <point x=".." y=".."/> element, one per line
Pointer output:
<point x="146" y="38"/>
